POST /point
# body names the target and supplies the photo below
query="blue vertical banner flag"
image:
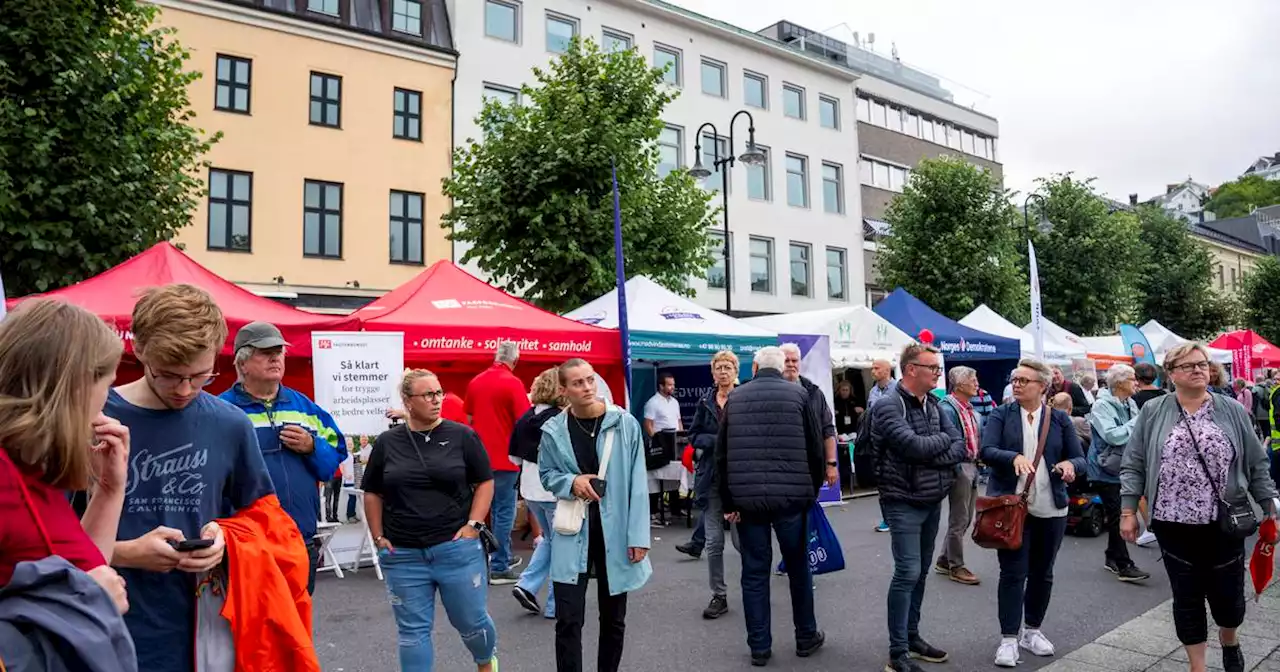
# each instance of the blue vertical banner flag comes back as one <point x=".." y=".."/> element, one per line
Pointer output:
<point x="1136" y="344"/>
<point x="620" y="268"/>
<point x="1037" y="314"/>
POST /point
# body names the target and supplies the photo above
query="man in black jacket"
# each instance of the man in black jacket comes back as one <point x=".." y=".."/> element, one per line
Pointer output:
<point x="769" y="457"/>
<point x="917" y="449"/>
<point x="818" y="404"/>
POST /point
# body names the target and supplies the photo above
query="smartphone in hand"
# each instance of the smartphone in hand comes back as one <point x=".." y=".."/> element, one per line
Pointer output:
<point x="598" y="485"/>
<point x="189" y="545"/>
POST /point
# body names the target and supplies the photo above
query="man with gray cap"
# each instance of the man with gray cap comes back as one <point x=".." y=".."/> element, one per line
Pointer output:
<point x="300" y="442"/>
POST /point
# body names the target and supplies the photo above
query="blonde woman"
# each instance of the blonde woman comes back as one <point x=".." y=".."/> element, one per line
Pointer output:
<point x="57" y="362"/>
<point x="547" y="402"/>
<point x="1190" y="452"/>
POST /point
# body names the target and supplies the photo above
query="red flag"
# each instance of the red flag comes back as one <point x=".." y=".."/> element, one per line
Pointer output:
<point x="1263" y="563"/>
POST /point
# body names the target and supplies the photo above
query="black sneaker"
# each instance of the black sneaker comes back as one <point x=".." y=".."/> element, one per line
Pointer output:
<point x="922" y="650"/>
<point x="526" y="599"/>
<point x="719" y="607"/>
<point x="760" y="658"/>
<point x="690" y="550"/>
<point x="1111" y="566"/>
<point x="1232" y="659"/>
<point x="902" y="663"/>
<point x="810" y="646"/>
<point x="503" y="578"/>
<point x="1132" y="574"/>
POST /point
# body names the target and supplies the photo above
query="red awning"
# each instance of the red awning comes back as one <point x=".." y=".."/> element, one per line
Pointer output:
<point x="447" y="313"/>
<point x="1264" y="353"/>
<point x="112" y="294"/>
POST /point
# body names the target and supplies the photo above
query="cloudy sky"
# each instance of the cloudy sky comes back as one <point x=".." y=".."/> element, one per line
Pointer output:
<point x="1137" y="93"/>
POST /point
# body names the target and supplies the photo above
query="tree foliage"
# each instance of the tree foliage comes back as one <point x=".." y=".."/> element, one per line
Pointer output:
<point x="1089" y="258"/>
<point x="97" y="157"/>
<point x="1175" y="286"/>
<point x="1259" y="299"/>
<point x="1239" y="198"/>
<point x="534" y="199"/>
<point x="954" y="243"/>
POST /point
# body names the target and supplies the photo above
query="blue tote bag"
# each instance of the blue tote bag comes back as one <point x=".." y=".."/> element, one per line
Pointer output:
<point x="825" y="554"/>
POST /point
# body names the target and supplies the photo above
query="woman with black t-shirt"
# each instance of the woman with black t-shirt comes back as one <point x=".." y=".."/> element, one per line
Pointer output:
<point x="427" y="488"/>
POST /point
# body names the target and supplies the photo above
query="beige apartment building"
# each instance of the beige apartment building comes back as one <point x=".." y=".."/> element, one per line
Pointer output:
<point x="325" y="189"/>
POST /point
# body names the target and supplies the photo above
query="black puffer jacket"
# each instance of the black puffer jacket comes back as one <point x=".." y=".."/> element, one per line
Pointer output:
<point x="702" y="434"/>
<point x="818" y="404"/>
<point x="917" y="453"/>
<point x="769" y="449"/>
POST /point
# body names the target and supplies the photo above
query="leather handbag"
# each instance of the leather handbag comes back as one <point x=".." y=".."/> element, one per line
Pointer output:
<point x="571" y="512"/>
<point x="998" y="521"/>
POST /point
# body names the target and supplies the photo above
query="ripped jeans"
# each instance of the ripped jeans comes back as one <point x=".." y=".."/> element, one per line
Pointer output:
<point x="459" y="572"/>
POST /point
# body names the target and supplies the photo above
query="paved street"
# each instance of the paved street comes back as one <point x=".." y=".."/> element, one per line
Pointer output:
<point x="355" y="631"/>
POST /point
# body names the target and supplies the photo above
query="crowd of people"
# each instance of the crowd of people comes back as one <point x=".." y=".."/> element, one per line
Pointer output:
<point x="175" y="480"/>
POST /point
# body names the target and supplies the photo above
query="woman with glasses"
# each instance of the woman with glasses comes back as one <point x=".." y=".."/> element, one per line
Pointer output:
<point x="1192" y="453"/>
<point x="427" y="488"/>
<point x="1010" y="443"/>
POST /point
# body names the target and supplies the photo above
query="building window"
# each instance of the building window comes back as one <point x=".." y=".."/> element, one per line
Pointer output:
<point x="322" y="219"/>
<point x="878" y="114"/>
<point x="717" y="273"/>
<point x="710" y="145"/>
<point x="755" y="90"/>
<point x="560" y="32"/>
<point x="329" y="7"/>
<point x="615" y="41"/>
<point x="875" y="296"/>
<point x="793" y="101"/>
<point x="234" y="77"/>
<point x="833" y="188"/>
<point x="829" y="112"/>
<point x="670" y="149"/>
<point x="758" y="182"/>
<point x="836" y="274"/>
<point x="713" y="83"/>
<point x="326" y="100"/>
<point x="953" y="138"/>
<point x="406" y="16"/>
<point x="506" y="96"/>
<point x="669" y="60"/>
<point x="502" y="20"/>
<point x="926" y="129"/>
<point x="230" y="210"/>
<point x="894" y="118"/>
<point x="864" y="109"/>
<point x="762" y="265"/>
<point x="897" y="178"/>
<point x="911" y="125"/>
<point x="800" y="255"/>
<point x="882" y="175"/>
<point x="797" y="181"/>
<point x="1235" y="282"/>
<point x="966" y="143"/>
<point x="407" y="114"/>
<point x="406" y="227"/>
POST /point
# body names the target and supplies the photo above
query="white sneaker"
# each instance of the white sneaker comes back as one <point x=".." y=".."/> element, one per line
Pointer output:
<point x="1035" y="642"/>
<point x="1146" y="538"/>
<point x="1007" y="655"/>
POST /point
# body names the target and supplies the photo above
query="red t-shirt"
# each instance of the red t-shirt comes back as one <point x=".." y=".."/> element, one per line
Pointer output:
<point x="453" y="408"/>
<point x="495" y="400"/>
<point x="20" y="538"/>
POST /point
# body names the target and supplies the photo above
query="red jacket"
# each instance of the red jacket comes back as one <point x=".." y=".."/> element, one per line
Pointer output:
<point x="267" y="605"/>
<point x="495" y="400"/>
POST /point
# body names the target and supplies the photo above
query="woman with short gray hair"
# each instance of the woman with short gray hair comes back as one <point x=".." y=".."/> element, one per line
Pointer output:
<point x="1111" y="422"/>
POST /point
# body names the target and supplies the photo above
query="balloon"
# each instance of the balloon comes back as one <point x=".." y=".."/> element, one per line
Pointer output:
<point x="926" y="336"/>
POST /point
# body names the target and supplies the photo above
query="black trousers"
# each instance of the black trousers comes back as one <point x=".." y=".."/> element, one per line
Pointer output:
<point x="1117" y="550"/>
<point x="571" y="610"/>
<point x="332" y="493"/>
<point x="1204" y="565"/>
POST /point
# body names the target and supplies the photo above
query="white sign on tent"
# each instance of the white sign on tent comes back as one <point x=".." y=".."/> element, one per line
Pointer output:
<point x="357" y="377"/>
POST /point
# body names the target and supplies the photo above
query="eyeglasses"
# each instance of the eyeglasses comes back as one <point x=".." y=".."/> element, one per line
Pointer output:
<point x="172" y="380"/>
<point x="433" y="395"/>
<point x="1019" y="382"/>
<point x="934" y="369"/>
<point x="1192" y="366"/>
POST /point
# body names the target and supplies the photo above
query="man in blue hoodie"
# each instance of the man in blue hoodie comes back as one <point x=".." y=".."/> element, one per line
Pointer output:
<point x="300" y="442"/>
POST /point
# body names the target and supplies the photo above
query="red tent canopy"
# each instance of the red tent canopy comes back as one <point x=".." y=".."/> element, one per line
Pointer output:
<point x="448" y="314"/>
<point x="1264" y="353"/>
<point x="112" y="294"/>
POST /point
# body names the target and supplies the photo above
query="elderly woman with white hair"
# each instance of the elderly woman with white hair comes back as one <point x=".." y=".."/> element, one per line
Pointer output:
<point x="1111" y="423"/>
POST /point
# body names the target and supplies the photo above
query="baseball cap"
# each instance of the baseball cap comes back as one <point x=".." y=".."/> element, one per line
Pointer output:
<point x="260" y="335"/>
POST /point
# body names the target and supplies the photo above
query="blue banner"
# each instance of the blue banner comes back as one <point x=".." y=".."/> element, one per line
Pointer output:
<point x="1135" y="343"/>
<point x="619" y="268"/>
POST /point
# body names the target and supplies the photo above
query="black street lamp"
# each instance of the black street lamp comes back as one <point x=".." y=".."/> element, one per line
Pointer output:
<point x="751" y="157"/>
<point x="1026" y="211"/>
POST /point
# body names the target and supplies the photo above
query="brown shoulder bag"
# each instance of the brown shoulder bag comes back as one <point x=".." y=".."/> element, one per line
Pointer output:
<point x="998" y="521"/>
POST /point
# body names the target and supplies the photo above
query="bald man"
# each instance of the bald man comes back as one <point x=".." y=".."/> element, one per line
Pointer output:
<point x="1062" y="402"/>
<point x="882" y="373"/>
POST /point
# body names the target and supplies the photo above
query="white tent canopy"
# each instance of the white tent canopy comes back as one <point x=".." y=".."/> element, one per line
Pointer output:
<point x="983" y="318"/>
<point x="1162" y="340"/>
<point x="858" y="335"/>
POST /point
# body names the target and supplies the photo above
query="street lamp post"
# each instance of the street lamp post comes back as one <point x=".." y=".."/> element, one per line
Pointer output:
<point x="751" y="157"/>
<point x="1026" y="210"/>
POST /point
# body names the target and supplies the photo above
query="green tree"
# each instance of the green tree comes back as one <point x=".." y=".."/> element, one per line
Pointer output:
<point x="1259" y="299"/>
<point x="534" y="200"/>
<point x="1175" y="285"/>
<point x="97" y="157"/>
<point x="1239" y="198"/>
<point x="954" y="242"/>
<point x="1089" y="258"/>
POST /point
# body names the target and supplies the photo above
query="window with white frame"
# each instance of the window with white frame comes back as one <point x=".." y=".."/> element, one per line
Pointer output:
<point x="505" y="95"/>
<point x="793" y="101"/>
<point x="670" y="149"/>
<point x="762" y="265"/>
<point x="895" y="119"/>
<point x="897" y="178"/>
<point x="713" y="82"/>
<point x="671" y="62"/>
<point x="878" y="114"/>
<point x="560" y="32"/>
<point x="864" y="109"/>
<point x="832" y="188"/>
<point x="829" y="112"/>
<point x="966" y="145"/>
<point x="954" y="138"/>
<point x="615" y="40"/>
<point x="718" y="272"/>
<point x="911" y="124"/>
<point x="837" y="274"/>
<point x="801" y="262"/>
<point x="710" y="146"/>
<point x="883" y="175"/>
<point x="502" y="20"/>
<point x="758" y="182"/>
<point x="797" y="181"/>
<point x="755" y="90"/>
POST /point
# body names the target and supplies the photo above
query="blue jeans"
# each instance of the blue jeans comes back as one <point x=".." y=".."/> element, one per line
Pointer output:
<point x="1026" y="575"/>
<point x="757" y="561"/>
<point x="699" y="538"/>
<point x="538" y="571"/>
<point x="456" y="570"/>
<point x="503" y="511"/>
<point x="912" y="532"/>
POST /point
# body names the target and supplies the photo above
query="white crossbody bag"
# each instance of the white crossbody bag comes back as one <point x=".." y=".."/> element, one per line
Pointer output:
<point x="571" y="512"/>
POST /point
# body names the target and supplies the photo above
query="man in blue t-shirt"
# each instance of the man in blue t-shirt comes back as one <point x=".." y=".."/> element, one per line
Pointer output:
<point x="194" y="458"/>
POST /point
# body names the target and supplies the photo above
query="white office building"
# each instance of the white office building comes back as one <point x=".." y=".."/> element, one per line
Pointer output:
<point x="795" y="223"/>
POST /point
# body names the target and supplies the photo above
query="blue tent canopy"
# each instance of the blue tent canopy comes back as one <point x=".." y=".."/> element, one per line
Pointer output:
<point x="957" y="342"/>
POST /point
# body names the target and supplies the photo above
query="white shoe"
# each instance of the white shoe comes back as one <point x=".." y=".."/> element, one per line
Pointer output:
<point x="1035" y="642"/>
<point x="1146" y="538"/>
<point x="1007" y="655"/>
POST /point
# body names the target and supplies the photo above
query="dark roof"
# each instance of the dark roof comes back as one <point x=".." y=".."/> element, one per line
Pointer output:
<point x="1241" y="232"/>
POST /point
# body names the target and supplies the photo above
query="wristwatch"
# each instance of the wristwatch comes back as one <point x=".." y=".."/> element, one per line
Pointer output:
<point x="832" y="463"/>
<point x="378" y="540"/>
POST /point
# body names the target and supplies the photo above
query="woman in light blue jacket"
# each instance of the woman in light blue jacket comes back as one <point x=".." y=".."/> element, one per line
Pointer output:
<point x="1111" y="421"/>
<point x="612" y="544"/>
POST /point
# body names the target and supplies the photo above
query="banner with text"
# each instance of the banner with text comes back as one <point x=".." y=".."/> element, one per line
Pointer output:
<point x="357" y="377"/>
